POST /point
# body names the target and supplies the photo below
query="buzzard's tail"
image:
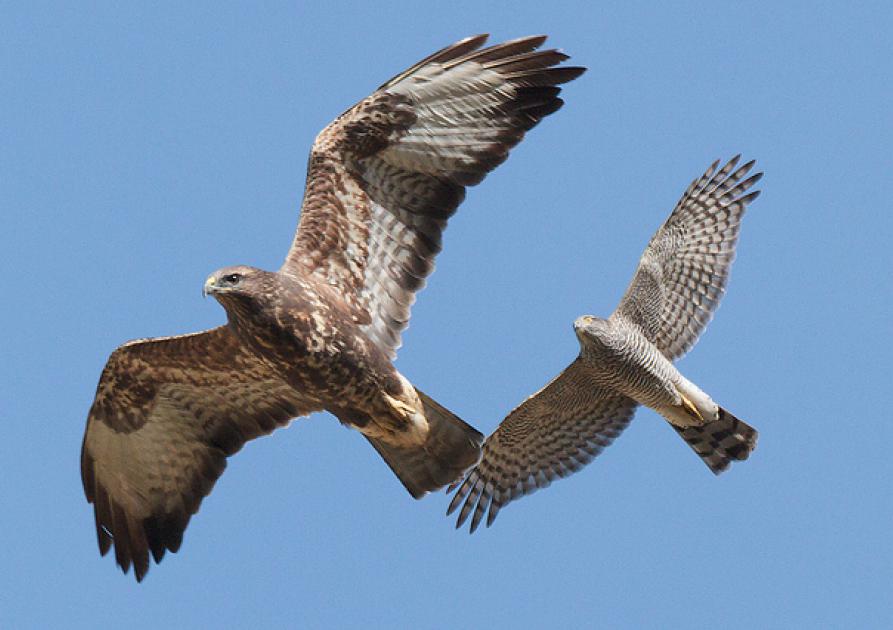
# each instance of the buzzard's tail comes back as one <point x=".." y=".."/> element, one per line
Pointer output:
<point x="721" y="441"/>
<point x="452" y="448"/>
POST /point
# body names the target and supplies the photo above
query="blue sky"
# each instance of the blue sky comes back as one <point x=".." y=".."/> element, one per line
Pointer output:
<point x="143" y="148"/>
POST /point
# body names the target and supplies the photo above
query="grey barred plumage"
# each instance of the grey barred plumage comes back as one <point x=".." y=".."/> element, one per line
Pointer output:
<point x="627" y="360"/>
<point x="685" y="268"/>
<point x="382" y="181"/>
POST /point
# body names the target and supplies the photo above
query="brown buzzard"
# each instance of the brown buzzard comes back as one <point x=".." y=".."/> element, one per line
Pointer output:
<point x="319" y="334"/>
<point x="627" y="360"/>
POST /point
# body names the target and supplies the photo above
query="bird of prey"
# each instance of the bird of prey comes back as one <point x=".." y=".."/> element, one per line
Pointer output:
<point x="627" y="360"/>
<point x="320" y="333"/>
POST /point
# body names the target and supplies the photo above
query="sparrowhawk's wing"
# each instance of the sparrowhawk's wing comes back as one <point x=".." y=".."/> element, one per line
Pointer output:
<point x="552" y="434"/>
<point x="683" y="273"/>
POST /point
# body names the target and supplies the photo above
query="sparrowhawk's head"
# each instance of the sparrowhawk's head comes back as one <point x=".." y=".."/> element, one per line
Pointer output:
<point x="591" y="326"/>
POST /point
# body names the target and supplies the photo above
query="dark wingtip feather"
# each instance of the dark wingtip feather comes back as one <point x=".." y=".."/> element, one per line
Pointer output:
<point x="750" y="181"/>
<point x="447" y="53"/>
<point x="103" y="539"/>
<point x="521" y="45"/>
<point x="527" y="62"/>
<point x="479" y="509"/>
<point x="495" y="506"/>
<point x="535" y="41"/>
<point x="154" y="537"/>
<point x="748" y="198"/>
<point x="470" y="501"/>
<point x="140" y="570"/>
<point x="122" y="535"/>
<point x="569" y="73"/>
<point x="457" y="498"/>
<point x="457" y="49"/>
<point x="477" y="498"/>
<point x="731" y="164"/>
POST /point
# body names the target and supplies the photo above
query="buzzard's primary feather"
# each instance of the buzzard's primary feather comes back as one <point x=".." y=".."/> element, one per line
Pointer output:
<point x="382" y="181"/>
<point x="628" y="360"/>
<point x="385" y="176"/>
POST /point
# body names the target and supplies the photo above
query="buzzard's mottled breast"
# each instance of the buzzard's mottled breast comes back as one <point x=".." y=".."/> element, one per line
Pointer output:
<point x="309" y="336"/>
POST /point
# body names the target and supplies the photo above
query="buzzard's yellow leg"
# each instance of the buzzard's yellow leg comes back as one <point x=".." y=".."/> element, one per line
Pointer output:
<point x="407" y="426"/>
<point x="399" y="408"/>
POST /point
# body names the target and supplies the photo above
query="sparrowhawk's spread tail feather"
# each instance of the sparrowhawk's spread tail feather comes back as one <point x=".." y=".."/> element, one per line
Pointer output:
<point x="452" y="447"/>
<point x="720" y="442"/>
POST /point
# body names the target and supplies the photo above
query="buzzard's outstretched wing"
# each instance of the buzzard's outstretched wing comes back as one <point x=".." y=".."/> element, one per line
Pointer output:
<point x="683" y="273"/>
<point x="167" y="413"/>
<point x="386" y="175"/>
<point x="552" y="434"/>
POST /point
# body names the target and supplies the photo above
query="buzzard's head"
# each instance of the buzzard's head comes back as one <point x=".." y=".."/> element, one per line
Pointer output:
<point x="233" y="282"/>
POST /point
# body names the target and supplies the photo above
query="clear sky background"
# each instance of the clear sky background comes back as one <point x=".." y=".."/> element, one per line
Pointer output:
<point x="142" y="148"/>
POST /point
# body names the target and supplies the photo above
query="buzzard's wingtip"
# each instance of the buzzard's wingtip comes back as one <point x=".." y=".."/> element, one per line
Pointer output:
<point x="478" y="40"/>
<point x="535" y="41"/>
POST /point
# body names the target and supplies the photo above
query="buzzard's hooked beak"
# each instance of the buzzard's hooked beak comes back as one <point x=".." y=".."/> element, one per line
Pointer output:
<point x="209" y="286"/>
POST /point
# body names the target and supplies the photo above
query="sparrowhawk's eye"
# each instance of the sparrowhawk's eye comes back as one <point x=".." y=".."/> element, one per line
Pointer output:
<point x="232" y="278"/>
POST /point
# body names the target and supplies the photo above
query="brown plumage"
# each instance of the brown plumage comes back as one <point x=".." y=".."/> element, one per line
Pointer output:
<point x="382" y="181"/>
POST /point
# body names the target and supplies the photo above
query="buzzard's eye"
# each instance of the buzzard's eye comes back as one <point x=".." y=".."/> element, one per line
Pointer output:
<point x="232" y="279"/>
